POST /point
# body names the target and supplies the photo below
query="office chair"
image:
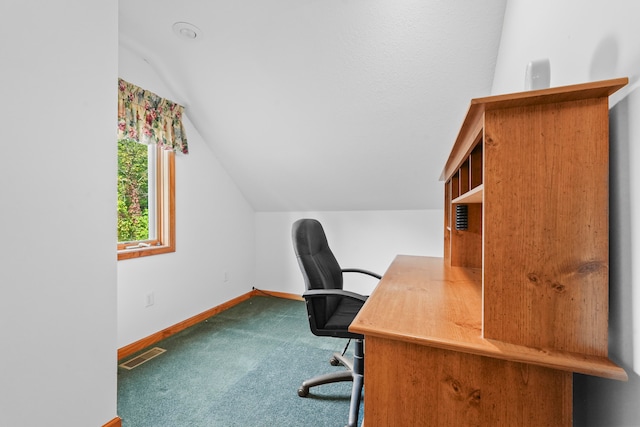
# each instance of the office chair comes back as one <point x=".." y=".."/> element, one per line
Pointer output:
<point x="330" y="309"/>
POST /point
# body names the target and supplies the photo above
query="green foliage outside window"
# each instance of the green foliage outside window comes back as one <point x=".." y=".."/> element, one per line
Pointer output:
<point x="133" y="191"/>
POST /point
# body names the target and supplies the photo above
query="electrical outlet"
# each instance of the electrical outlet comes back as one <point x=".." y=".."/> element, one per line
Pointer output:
<point x="149" y="299"/>
<point x="226" y="276"/>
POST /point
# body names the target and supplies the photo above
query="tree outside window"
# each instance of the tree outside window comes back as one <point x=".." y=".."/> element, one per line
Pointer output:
<point x="133" y="191"/>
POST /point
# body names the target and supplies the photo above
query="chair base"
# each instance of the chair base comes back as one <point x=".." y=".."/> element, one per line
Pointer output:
<point x="333" y="377"/>
<point x="354" y="373"/>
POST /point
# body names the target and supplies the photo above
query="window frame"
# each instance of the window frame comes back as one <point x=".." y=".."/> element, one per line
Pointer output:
<point x="165" y="241"/>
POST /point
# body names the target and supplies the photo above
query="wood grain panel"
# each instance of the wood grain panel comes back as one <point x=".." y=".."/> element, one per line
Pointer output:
<point x="422" y="300"/>
<point x="466" y="245"/>
<point x="546" y="221"/>
<point x="471" y="128"/>
<point x="412" y="385"/>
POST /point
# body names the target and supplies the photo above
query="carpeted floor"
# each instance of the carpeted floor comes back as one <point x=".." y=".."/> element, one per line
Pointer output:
<point x="243" y="368"/>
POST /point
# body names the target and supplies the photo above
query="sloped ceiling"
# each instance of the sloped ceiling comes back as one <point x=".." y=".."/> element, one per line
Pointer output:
<point x="318" y="105"/>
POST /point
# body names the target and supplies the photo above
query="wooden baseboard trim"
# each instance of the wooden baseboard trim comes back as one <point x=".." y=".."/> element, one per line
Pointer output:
<point x="134" y="347"/>
<point x="116" y="422"/>
<point x="139" y="345"/>
<point x="258" y="293"/>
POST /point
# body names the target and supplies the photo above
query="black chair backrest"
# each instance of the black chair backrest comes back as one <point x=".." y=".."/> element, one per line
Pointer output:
<point x="319" y="266"/>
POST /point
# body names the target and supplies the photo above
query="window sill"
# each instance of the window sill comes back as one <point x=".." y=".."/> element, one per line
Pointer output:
<point x="142" y="252"/>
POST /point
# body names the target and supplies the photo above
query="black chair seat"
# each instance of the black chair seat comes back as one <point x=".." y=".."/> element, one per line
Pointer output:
<point x="344" y="314"/>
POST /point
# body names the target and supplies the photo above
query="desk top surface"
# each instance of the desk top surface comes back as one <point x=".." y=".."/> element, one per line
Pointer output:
<point x="423" y="301"/>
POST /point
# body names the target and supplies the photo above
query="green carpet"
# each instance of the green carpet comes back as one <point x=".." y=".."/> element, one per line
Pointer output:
<point x="242" y="367"/>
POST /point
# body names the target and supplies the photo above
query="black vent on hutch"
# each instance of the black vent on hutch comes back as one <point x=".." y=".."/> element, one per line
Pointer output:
<point x="462" y="217"/>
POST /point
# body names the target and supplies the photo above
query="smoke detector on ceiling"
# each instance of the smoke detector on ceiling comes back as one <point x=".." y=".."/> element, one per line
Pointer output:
<point x="186" y="31"/>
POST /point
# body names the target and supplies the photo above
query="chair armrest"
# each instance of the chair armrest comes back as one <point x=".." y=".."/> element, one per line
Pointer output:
<point x="315" y="293"/>
<point x="359" y="270"/>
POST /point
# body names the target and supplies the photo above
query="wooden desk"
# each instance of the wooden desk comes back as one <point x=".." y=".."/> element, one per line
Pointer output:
<point x="490" y="334"/>
<point x="427" y="363"/>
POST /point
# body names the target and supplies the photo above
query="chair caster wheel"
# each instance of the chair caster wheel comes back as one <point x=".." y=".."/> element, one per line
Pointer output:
<point x="303" y="391"/>
<point x="334" y="361"/>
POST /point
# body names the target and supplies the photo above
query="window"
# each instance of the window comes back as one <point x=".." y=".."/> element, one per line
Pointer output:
<point x="146" y="200"/>
<point x="150" y="132"/>
<point x="134" y="193"/>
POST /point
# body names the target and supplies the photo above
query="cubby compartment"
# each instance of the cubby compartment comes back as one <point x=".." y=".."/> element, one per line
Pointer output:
<point x="475" y="167"/>
<point x="468" y="178"/>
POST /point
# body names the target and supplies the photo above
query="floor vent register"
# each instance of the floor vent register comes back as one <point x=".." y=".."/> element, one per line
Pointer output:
<point x="142" y="358"/>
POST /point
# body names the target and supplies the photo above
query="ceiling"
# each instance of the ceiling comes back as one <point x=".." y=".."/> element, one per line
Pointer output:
<point x="314" y="105"/>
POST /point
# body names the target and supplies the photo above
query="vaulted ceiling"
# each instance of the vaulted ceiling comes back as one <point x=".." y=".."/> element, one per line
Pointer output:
<point x="324" y="104"/>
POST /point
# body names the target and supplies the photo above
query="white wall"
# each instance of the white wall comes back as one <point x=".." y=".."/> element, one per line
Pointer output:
<point x="358" y="239"/>
<point x="214" y="233"/>
<point x="587" y="41"/>
<point x="218" y="232"/>
<point x="57" y="193"/>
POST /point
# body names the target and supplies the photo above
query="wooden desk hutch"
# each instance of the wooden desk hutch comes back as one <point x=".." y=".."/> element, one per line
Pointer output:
<point x="491" y="334"/>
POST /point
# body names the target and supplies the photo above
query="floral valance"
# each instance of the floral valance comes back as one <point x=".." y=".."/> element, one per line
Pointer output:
<point x="147" y="118"/>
